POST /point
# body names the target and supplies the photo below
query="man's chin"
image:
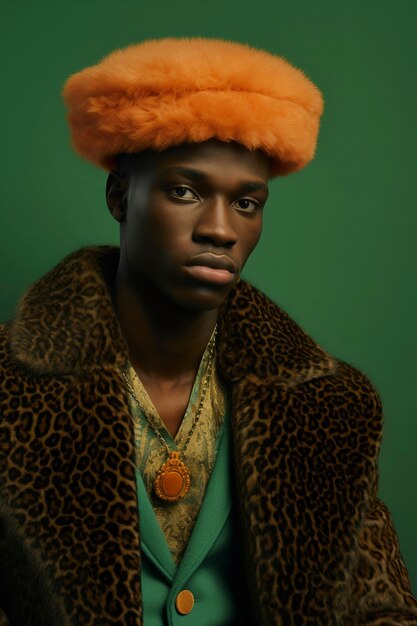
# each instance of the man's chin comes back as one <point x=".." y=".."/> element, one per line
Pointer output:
<point x="203" y="298"/>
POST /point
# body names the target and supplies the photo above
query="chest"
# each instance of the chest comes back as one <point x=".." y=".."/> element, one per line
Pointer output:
<point x="170" y="401"/>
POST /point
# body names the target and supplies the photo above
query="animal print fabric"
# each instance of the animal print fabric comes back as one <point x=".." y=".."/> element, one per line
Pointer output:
<point x="319" y="547"/>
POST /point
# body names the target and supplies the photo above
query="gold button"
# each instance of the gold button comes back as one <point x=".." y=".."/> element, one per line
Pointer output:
<point x="184" y="602"/>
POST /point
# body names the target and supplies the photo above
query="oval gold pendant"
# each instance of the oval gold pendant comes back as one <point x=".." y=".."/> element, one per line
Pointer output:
<point x="173" y="480"/>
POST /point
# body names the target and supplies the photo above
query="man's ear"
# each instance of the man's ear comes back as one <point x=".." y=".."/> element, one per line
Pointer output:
<point x="116" y="195"/>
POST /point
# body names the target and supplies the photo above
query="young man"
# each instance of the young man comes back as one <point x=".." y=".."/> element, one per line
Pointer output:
<point x="175" y="449"/>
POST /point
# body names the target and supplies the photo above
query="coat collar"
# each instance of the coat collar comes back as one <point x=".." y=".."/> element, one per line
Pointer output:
<point x="66" y="325"/>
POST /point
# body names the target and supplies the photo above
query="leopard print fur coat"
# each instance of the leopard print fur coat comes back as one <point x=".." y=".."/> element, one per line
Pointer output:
<point x="319" y="546"/>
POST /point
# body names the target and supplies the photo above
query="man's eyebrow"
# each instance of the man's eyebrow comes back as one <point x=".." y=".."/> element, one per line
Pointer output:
<point x="186" y="171"/>
<point x="248" y="186"/>
<point x="199" y="176"/>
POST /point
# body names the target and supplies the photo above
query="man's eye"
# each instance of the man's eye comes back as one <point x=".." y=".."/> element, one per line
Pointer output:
<point x="181" y="192"/>
<point x="245" y="204"/>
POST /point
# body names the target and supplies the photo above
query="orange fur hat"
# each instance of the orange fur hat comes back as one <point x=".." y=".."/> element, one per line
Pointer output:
<point x="165" y="92"/>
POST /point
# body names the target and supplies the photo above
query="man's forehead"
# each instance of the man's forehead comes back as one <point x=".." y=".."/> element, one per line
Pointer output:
<point x="190" y="158"/>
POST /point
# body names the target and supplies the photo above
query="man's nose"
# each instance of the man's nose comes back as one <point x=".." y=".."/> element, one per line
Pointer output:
<point x="215" y="223"/>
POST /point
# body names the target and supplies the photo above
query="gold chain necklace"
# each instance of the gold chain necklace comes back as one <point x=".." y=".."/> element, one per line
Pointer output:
<point x="173" y="479"/>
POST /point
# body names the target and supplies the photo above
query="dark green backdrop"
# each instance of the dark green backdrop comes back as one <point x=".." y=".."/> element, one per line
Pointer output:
<point x="339" y="244"/>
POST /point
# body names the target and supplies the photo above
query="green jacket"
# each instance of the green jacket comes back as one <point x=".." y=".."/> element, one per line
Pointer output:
<point x="211" y="567"/>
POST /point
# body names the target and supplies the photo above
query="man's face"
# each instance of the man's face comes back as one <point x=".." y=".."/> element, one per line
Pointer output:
<point x="193" y="217"/>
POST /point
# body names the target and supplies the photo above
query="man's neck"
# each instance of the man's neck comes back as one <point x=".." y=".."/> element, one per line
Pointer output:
<point x="165" y="341"/>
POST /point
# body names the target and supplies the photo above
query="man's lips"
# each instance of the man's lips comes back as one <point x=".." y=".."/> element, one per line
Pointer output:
<point x="214" y="268"/>
<point x="216" y="261"/>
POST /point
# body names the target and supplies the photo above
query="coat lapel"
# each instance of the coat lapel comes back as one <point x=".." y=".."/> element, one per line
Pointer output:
<point x="214" y="512"/>
<point x="153" y="541"/>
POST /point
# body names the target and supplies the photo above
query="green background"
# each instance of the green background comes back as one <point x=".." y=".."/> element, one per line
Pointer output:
<point x="339" y="244"/>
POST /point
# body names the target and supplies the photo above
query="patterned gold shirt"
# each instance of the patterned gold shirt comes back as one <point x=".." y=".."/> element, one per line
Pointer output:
<point x="177" y="519"/>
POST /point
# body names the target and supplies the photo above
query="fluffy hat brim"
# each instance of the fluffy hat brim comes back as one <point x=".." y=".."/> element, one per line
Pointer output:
<point x="166" y="92"/>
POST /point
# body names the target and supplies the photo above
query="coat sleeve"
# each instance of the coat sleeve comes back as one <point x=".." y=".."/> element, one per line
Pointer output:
<point x="381" y="594"/>
<point x="3" y="619"/>
<point x="27" y="588"/>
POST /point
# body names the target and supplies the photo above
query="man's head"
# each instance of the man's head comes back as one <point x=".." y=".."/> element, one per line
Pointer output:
<point x="233" y="114"/>
<point x="190" y="216"/>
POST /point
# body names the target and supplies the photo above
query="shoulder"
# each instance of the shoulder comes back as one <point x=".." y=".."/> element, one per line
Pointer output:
<point x="65" y="323"/>
<point x="257" y="337"/>
<point x="270" y="358"/>
<point x="27" y="590"/>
